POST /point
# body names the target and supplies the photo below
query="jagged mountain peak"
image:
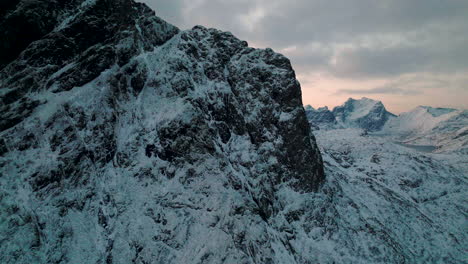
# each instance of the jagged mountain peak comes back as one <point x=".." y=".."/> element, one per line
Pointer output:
<point x="363" y="113"/>
<point x="351" y="99"/>
<point x="78" y="40"/>
<point x="124" y="139"/>
<point x="323" y="108"/>
<point x="360" y="106"/>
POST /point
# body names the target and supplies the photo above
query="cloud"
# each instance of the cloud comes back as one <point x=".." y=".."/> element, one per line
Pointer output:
<point x="379" y="90"/>
<point x="171" y="11"/>
<point x="352" y="40"/>
<point x="417" y="84"/>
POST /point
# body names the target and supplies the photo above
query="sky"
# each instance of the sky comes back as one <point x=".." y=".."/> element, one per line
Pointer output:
<point x="405" y="53"/>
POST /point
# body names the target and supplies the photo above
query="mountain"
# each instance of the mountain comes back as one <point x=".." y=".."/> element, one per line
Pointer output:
<point x="320" y="118"/>
<point x="445" y="128"/>
<point x="394" y="199"/>
<point x="126" y="140"/>
<point x="390" y="203"/>
<point x="364" y="113"/>
<point x="420" y="120"/>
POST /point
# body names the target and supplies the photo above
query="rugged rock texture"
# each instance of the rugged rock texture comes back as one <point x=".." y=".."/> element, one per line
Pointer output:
<point x="124" y="140"/>
<point x="321" y="118"/>
<point x="68" y="44"/>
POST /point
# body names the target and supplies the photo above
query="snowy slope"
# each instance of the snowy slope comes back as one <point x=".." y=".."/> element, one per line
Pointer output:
<point x="125" y="140"/>
<point x="387" y="203"/>
<point x="420" y="120"/>
<point x="444" y="128"/>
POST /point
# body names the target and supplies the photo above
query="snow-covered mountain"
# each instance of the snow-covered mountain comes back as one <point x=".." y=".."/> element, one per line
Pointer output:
<point x="393" y="202"/>
<point x="126" y="140"/>
<point x="363" y="113"/>
<point x="445" y="128"/>
<point x="390" y="203"/>
<point x="321" y="118"/>
<point x="420" y="120"/>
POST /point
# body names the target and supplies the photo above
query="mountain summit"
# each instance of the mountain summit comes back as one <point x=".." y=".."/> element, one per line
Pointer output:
<point x="362" y="113"/>
<point x="126" y="140"/>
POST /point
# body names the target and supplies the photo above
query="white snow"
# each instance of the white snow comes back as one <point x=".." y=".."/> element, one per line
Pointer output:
<point x="362" y="107"/>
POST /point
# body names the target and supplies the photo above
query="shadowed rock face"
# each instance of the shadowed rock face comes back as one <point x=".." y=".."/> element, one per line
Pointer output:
<point x="56" y="46"/>
<point x="125" y="140"/>
<point x="321" y="118"/>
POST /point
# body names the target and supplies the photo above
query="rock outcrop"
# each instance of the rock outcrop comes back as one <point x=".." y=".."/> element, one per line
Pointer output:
<point x="126" y="140"/>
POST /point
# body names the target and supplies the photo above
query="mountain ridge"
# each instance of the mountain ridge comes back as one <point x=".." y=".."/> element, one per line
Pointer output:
<point x="442" y="128"/>
<point x="126" y="140"/>
<point x="424" y="125"/>
<point x="362" y="113"/>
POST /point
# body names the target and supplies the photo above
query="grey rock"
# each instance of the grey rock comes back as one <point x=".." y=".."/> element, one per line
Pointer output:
<point x="126" y="140"/>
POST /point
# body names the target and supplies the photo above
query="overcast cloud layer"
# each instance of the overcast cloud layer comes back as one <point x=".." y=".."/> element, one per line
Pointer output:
<point x="403" y="52"/>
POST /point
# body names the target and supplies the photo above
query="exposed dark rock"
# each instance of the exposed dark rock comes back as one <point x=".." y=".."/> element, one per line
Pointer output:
<point x="120" y="129"/>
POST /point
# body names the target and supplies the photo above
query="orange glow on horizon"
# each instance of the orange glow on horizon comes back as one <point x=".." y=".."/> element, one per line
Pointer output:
<point x="322" y="89"/>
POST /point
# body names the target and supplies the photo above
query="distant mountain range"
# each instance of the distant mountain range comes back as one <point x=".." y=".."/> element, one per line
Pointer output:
<point x="444" y="128"/>
<point x="363" y="113"/>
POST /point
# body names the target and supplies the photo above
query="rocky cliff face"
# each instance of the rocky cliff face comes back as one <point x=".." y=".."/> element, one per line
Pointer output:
<point x="126" y="140"/>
